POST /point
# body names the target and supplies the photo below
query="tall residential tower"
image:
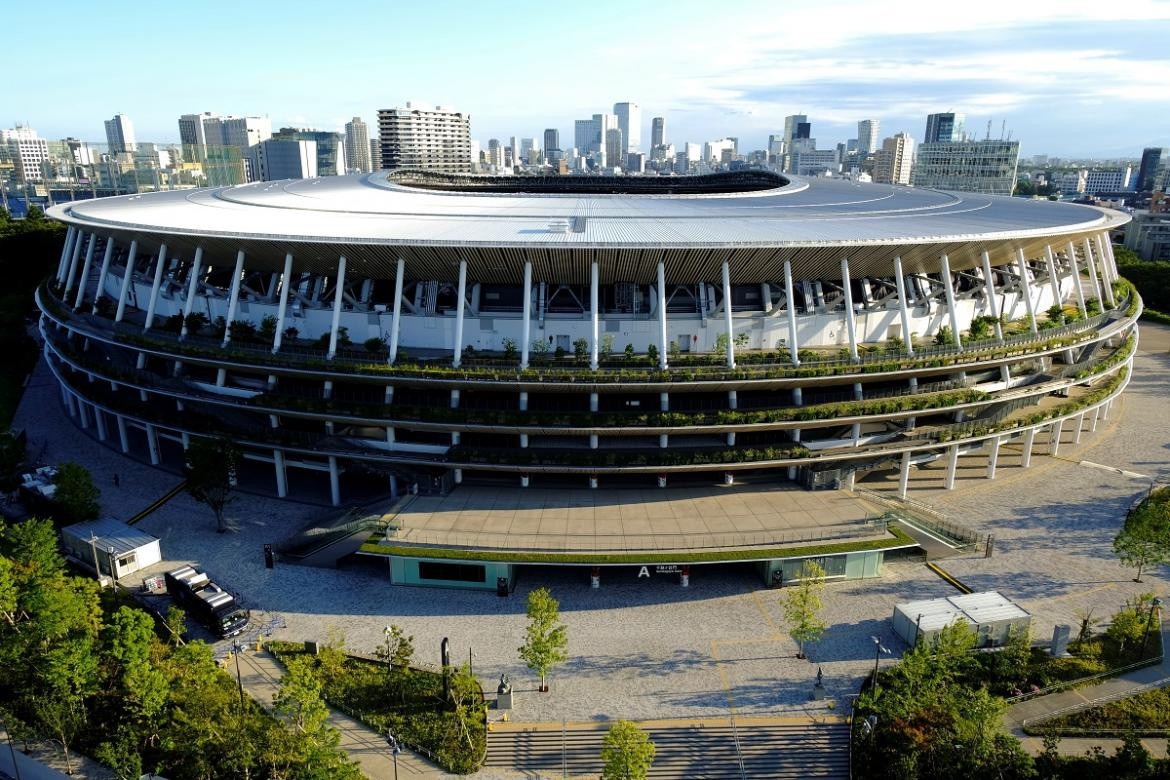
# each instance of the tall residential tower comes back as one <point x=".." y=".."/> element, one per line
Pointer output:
<point x="357" y="146"/>
<point x="435" y="138"/>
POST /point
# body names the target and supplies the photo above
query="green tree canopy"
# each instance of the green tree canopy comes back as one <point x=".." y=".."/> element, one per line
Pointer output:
<point x="626" y="752"/>
<point x="802" y="605"/>
<point x="547" y="640"/>
<point x="1144" y="540"/>
<point x="211" y="467"/>
<point x="76" y="497"/>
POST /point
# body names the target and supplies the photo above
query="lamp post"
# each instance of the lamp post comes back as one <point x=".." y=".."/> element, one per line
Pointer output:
<point x="238" y="648"/>
<point x="394" y="751"/>
<point x="1154" y="606"/>
<point x="877" y="654"/>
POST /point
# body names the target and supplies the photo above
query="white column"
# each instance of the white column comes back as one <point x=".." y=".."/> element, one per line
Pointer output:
<point x="82" y="412"/>
<point x="1026" y="289"/>
<point x="949" y="289"/>
<point x="1106" y="272"/>
<point x="728" y="326"/>
<point x="1029" y="439"/>
<point x="793" y="346"/>
<point x="993" y="458"/>
<point x="904" y="310"/>
<point x="1076" y="275"/>
<point x="337" y="298"/>
<point x="159" y="269"/>
<point x="127" y="279"/>
<point x="233" y="297"/>
<point x="594" y="313"/>
<point x="904" y="475"/>
<point x="952" y="466"/>
<point x="989" y="291"/>
<point x="1093" y="275"/>
<point x="192" y="288"/>
<point x="123" y="436"/>
<point x="281" y="473"/>
<point x="1054" y="443"/>
<point x="282" y="305"/>
<point x="1108" y="242"/>
<point x="460" y="299"/>
<point x="662" y="314"/>
<point x="105" y="269"/>
<point x="1080" y="424"/>
<point x="73" y="264"/>
<point x="1093" y="419"/>
<point x="85" y="271"/>
<point x="850" y="323"/>
<point x="396" y="319"/>
<point x="152" y="444"/>
<point x="66" y="253"/>
<point x="1053" y="281"/>
<point x="334" y="481"/>
<point x="526" y="325"/>
<point x="101" y="423"/>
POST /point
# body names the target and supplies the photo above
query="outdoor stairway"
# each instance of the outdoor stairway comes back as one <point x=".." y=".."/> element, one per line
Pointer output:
<point x="778" y="749"/>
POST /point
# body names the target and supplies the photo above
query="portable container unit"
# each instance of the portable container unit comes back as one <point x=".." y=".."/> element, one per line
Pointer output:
<point x="990" y="614"/>
<point x="119" y="549"/>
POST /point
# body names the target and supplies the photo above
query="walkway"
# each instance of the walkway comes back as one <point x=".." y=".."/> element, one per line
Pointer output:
<point x="260" y="674"/>
<point x="1120" y="687"/>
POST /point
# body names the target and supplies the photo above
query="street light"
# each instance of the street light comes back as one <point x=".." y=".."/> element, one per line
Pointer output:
<point x="1154" y="605"/>
<point x="238" y="648"/>
<point x="878" y="649"/>
<point x="394" y="751"/>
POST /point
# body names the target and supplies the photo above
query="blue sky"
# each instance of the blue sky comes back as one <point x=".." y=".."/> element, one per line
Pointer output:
<point x="1070" y="78"/>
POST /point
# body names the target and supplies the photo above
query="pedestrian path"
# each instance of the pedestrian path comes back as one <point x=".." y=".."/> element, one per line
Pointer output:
<point x="260" y="674"/>
<point x="1123" y="686"/>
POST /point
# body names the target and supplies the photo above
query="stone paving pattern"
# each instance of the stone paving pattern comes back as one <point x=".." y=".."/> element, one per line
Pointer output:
<point x="645" y="649"/>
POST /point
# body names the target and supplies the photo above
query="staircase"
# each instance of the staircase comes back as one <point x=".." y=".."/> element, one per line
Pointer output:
<point x="774" y="748"/>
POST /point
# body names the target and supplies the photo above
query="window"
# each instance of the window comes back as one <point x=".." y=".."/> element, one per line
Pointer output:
<point x="453" y="572"/>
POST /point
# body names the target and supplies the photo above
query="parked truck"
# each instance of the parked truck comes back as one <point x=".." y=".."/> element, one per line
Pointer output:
<point x="207" y="602"/>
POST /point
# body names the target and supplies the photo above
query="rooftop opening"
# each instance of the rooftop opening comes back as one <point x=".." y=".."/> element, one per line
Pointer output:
<point x="709" y="184"/>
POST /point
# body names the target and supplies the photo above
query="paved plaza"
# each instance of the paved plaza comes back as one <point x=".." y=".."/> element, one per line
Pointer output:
<point x="648" y="649"/>
<point x="623" y="520"/>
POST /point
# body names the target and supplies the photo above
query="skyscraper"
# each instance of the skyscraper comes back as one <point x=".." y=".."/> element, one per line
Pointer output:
<point x="357" y="146"/>
<point x="602" y="124"/>
<point x="375" y="154"/>
<point x="425" y="137"/>
<point x="28" y="151"/>
<point x="943" y="128"/>
<point x="867" y="136"/>
<point x="120" y="134"/>
<point x="330" y="148"/>
<point x="794" y="126"/>
<point x="613" y="147"/>
<point x="892" y="162"/>
<point x="1153" y="160"/>
<point x="552" y="139"/>
<point x="657" y="131"/>
<point x="629" y="121"/>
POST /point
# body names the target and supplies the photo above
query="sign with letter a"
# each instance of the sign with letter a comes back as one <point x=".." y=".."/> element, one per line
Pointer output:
<point x="644" y="572"/>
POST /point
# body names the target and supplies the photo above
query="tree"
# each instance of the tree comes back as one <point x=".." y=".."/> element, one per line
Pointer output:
<point x="510" y="351"/>
<point x="143" y="687"/>
<point x="76" y="497"/>
<point x="547" y="642"/>
<point x="468" y="703"/>
<point x="802" y="605"/>
<point x="211" y="475"/>
<point x="1144" y="540"/>
<point x="176" y="623"/>
<point x="581" y="350"/>
<point x="626" y="752"/>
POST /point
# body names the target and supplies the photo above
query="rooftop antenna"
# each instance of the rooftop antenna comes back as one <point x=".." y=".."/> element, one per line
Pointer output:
<point x="988" y="138"/>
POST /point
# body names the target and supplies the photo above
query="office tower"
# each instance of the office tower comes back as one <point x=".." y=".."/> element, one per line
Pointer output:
<point x="120" y="134"/>
<point x="867" y="136"/>
<point x="657" y="132"/>
<point x="1108" y="180"/>
<point x="629" y="121"/>
<point x="79" y="151"/>
<point x="514" y="146"/>
<point x="796" y="126"/>
<point x="29" y="153"/>
<point x="527" y="145"/>
<point x="892" y="163"/>
<point x="1154" y="159"/>
<point x="239" y="131"/>
<point x="635" y="162"/>
<point x="968" y="166"/>
<point x="286" y="159"/>
<point x="613" y="146"/>
<point x="357" y="146"/>
<point x="330" y="148"/>
<point x="495" y="154"/>
<point x="375" y="154"/>
<point x="552" y="139"/>
<point x="602" y="124"/>
<point x="714" y="151"/>
<point x="583" y="131"/>
<point x="424" y="137"/>
<point x="943" y="128"/>
<point x="775" y="148"/>
<point x="192" y="128"/>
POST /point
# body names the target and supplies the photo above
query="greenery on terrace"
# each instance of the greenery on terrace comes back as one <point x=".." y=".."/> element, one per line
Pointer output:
<point x="393" y="697"/>
<point x="250" y="345"/>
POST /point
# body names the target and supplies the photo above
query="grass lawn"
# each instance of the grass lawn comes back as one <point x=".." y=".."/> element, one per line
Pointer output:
<point x="1145" y="712"/>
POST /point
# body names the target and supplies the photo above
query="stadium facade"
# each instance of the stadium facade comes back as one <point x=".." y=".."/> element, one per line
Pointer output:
<point x="586" y="331"/>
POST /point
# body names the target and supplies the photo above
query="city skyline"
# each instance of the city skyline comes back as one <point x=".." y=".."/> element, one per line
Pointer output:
<point x="1071" y="80"/>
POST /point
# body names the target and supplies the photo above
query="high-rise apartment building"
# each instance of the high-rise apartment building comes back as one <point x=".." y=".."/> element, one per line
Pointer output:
<point x="434" y="138"/>
<point x="375" y="154"/>
<point x="29" y="153"/>
<point x="629" y="121"/>
<point x="330" y="148"/>
<point x="357" y="146"/>
<point x="944" y="128"/>
<point x="968" y="166"/>
<point x="892" y="163"/>
<point x="657" y="132"/>
<point x="867" y="136"/>
<point x="495" y="153"/>
<point x="120" y="134"/>
<point x="1154" y="160"/>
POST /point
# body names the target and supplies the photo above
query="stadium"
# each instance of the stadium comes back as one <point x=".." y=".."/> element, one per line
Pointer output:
<point x="586" y="332"/>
